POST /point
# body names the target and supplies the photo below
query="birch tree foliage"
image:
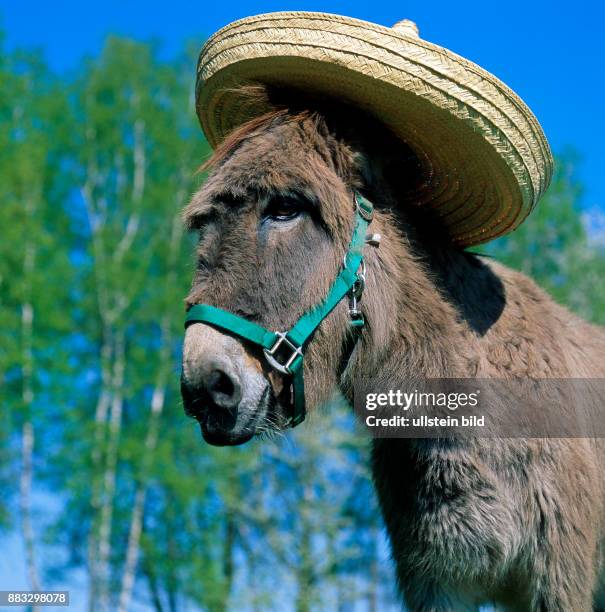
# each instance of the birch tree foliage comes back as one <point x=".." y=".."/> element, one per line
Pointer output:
<point x="135" y="152"/>
<point x="34" y="281"/>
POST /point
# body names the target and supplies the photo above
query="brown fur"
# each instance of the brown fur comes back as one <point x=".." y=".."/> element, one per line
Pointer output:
<point x="518" y="521"/>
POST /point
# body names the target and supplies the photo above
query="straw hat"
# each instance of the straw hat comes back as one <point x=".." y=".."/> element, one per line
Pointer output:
<point x="484" y="156"/>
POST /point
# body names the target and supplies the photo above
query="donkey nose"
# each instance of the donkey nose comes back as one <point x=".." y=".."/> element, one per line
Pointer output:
<point x="223" y="387"/>
<point x="220" y="386"/>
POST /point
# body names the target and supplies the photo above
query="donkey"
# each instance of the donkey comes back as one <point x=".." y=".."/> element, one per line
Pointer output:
<point x="515" y="521"/>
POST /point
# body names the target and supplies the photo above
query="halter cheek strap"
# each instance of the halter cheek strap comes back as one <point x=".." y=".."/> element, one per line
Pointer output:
<point x="284" y="351"/>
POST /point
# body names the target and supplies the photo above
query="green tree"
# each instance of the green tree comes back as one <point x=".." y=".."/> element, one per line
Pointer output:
<point x="34" y="275"/>
<point x="134" y="154"/>
<point x="553" y="246"/>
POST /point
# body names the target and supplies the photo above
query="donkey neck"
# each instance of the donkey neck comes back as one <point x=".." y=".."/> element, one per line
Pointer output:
<point x="418" y="319"/>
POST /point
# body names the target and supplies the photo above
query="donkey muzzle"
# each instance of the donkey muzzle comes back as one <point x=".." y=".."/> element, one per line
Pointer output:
<point x="222" y="386"/>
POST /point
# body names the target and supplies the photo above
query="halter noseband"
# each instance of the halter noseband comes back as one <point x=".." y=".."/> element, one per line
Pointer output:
<point x="284" y="351"/>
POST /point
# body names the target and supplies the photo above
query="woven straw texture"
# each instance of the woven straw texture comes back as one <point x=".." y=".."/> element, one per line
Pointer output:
<point x="484" y="157"/>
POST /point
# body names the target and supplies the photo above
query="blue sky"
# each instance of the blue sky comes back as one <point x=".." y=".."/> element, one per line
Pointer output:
<point x="550" y="53"/>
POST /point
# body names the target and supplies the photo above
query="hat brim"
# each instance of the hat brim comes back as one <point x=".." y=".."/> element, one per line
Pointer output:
<point x="484" y="157"/>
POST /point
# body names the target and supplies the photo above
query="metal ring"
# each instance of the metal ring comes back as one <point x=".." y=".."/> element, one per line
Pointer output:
<point x="362" y="265"/>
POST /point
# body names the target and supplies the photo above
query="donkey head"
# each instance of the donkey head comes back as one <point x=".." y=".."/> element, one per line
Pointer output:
<point x="275" y="219"/>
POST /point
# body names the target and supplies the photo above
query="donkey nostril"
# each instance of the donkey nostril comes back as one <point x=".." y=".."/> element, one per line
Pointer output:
<point x="224" y="389"/>
<point x="219" y="382"/>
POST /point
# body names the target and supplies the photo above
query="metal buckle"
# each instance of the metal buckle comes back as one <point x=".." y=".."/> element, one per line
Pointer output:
<point x="271" y="354"/>
<point x="359" y="285"/>
<point x="355" y="294"/>
<point x="354" y="310"/>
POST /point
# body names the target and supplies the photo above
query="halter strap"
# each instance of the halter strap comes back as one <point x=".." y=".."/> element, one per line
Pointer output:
<point x="284" y="351"/>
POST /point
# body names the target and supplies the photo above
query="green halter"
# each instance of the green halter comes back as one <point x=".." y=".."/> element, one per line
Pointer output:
<point x="284" y="350"/>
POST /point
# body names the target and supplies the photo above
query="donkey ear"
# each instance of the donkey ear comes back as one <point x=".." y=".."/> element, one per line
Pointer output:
<point x="370" y="177"/>
<point x="349" y="163"/>
<point x="364" y="169"/>
<point x="390" y="170"/>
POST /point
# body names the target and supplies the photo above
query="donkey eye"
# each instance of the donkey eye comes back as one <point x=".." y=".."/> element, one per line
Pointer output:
<point x="283" y="210"/>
